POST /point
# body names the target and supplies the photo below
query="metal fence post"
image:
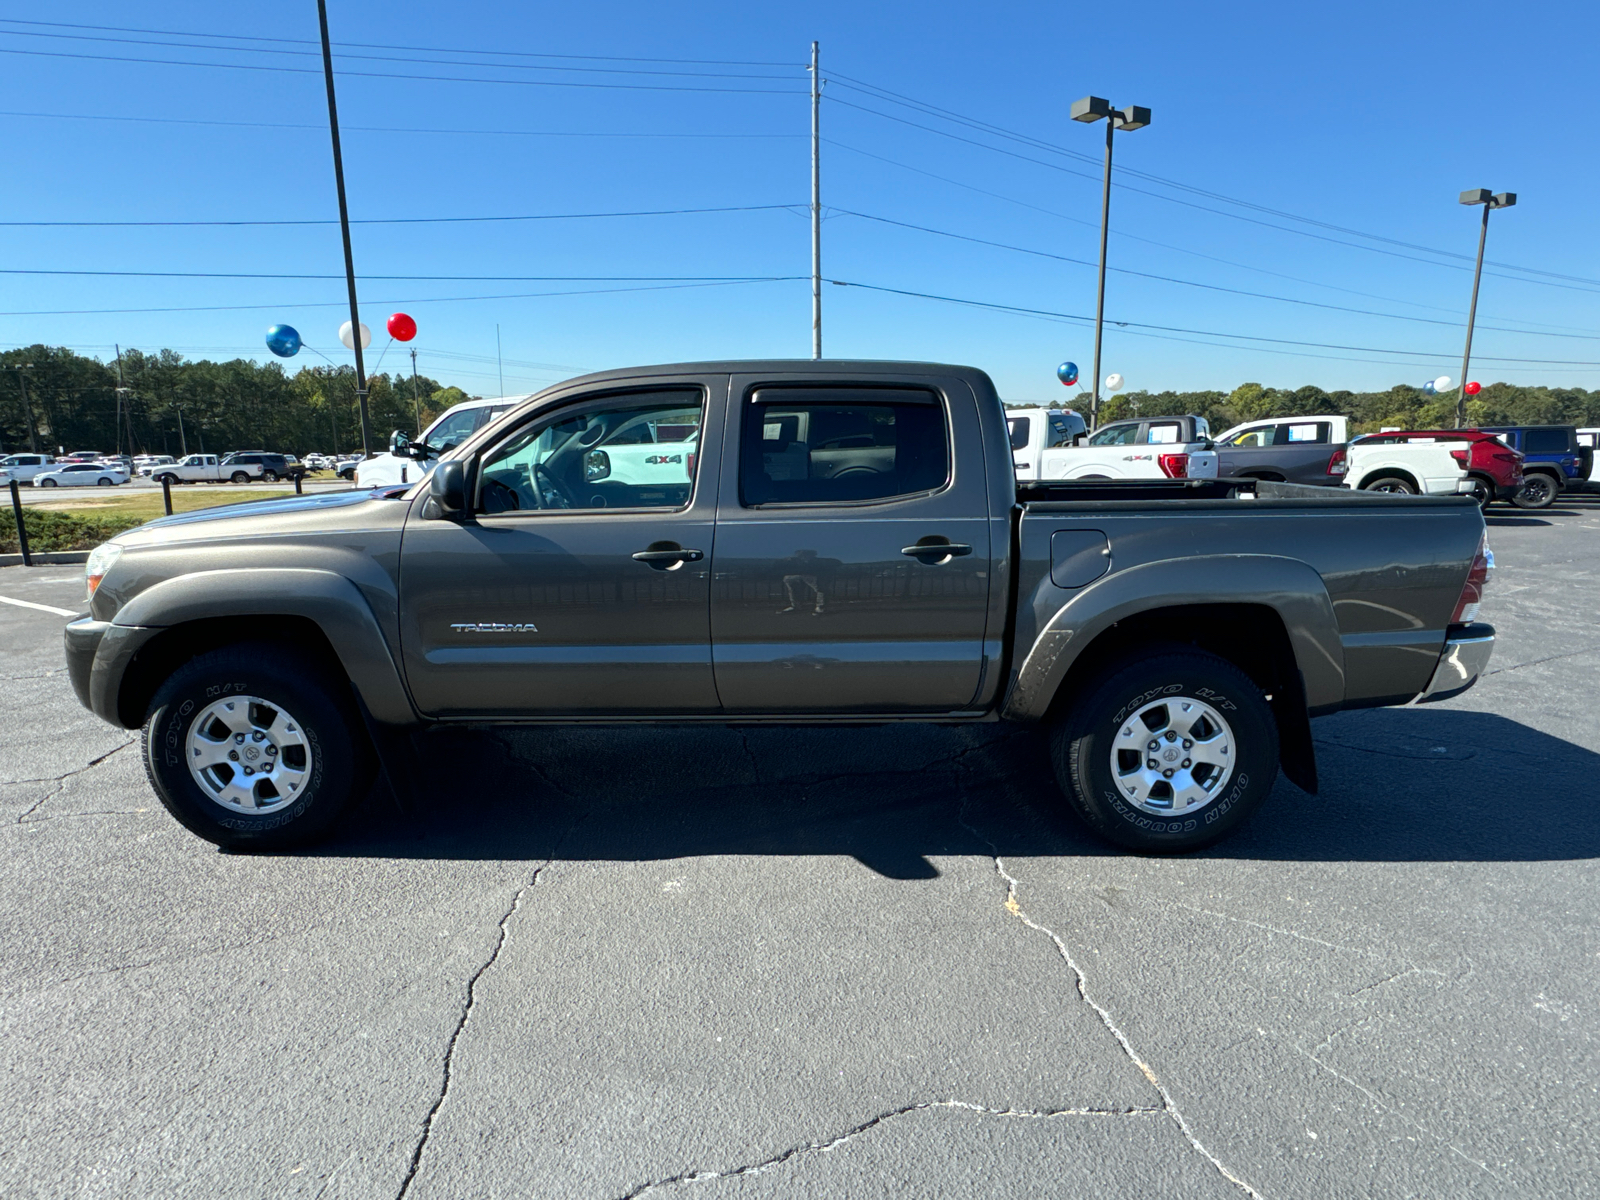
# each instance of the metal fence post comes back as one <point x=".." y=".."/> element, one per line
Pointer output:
<point x="166" y="492"/>
<point x="22" y="530"/>
<point x="299" y="482"/>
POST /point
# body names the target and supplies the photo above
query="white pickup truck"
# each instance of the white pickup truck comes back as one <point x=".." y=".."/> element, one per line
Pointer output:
<point x="23" y="467"/>
<point x="1141" y="448"/>
<point x="453" y="427"/>
<point x="1407" y="462"/>
<point x="192" y="468"/>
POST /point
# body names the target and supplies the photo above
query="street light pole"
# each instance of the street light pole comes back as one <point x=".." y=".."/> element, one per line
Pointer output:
<point x="1089" y="110"/>
<point x="1502" y="200"/>
<point x="344" y="226"/>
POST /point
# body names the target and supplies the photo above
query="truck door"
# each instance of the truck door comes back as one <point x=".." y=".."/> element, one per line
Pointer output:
<point x="565" y="591"/>
<point x="853" y="556"/>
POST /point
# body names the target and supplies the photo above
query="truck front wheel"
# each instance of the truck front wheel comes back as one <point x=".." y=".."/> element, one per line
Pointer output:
<point x="252" y="748"/>
<point x="1168" y="754"/>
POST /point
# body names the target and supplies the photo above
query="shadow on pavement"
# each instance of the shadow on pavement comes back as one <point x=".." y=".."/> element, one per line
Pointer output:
<point x="1403" y="784"/>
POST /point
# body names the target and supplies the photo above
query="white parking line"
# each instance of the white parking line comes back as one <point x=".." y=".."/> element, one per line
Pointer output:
<point x="49" y="608"/>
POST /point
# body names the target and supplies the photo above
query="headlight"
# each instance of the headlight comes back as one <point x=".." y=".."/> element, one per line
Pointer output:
<point x="101" y="559"/>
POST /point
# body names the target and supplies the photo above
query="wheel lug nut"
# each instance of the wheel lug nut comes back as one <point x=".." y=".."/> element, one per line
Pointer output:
<point x="1186" y="764"/>
<point x="272" y="749"/>
<point x="1152" y="764"/>
<point x="1171" y="737"/>
<point x="251" y="771"/>
<point x="233" y="754"/>
<point x="257" y="736"/>
<point x="1153" y="746"/>
<point x="238" y="739"/>
<point x="1187" y="744"/>
<point x="1165" y="774"/>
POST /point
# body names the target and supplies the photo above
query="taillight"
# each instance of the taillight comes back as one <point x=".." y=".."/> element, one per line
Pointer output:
<point x="1338" y="462"/>
<point x="1174" y="466"/>
<point x="1477" y="580"/>
<point x="1461" y="457"/>
<point x="689" y="461"/>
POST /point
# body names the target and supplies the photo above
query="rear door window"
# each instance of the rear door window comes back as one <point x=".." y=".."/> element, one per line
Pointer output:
<point x="1165" y="433"/>
<point x="803" y="445"/>
<point x="1545" y="441"/>
<point x="1116" y="435"/>
<point x="1020" y="427"/>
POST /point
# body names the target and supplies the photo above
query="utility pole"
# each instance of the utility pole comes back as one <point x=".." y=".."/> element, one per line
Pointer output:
<point x="27" y="406"/>
<point x="1502" y="200"/>
<point x="416" y="400"/>
<point x="123" y="395"/>
<point x="1089" y="110"/>
<point x="183" y="442"/>
<point x="344" y="226"/>
<point x="816" y="205"/>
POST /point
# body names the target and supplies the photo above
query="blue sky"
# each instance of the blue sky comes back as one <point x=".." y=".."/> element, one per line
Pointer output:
<point x="1362" y="117"/>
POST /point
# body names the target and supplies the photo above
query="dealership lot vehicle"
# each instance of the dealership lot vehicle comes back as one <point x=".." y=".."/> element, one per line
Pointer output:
<point x="80" y="474"/>
<point x="1554" y="457"/>
<point x="1150" y="448"/>
<point x="1408" y="462"/>
<point x="865" y="521"/>
<point x="1589" y="439"/>
<point x="23" y="467"/>
<point x="1035" y="430"/>
<point x="453" y="427"/>
<point x="1308" y="450"/>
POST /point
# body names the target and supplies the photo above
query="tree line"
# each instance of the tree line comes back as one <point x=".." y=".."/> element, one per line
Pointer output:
<point x="56" y="400"/>
<point x="1401" y="407"/>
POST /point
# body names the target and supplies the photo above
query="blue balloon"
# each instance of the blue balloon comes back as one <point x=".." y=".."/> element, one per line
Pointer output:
<point x="283" y="340"/>
<point x="1067" y="372"/>
<point x="1428" y="387"/>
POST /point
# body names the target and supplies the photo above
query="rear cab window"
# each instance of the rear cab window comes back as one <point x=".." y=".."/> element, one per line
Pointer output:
<point x="832" y="445"/>
<point x="1020" y="428"/>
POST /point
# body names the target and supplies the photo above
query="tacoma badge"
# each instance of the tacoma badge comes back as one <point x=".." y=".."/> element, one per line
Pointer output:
<point x="495" y="627"/>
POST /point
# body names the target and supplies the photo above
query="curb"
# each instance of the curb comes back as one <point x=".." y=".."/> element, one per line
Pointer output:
<point x="55" y="558"/>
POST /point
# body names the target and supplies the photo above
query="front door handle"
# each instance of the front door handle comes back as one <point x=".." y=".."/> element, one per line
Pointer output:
<point x="941" y="550"/>
<point x="667" y="555"/>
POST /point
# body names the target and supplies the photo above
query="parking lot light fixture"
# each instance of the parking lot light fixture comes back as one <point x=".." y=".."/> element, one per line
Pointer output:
<point x="1089" y="110"/>
<point x="1489" y="201"/>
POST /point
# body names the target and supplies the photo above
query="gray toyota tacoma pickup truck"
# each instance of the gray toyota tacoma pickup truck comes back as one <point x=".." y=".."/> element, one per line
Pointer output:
<point x="778" y="542"/>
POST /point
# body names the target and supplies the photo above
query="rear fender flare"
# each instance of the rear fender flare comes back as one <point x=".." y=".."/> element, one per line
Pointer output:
<point x="1292" y="588"/>
<point x="329" y="600"/>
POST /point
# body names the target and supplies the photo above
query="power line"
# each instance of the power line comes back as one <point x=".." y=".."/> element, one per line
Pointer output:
<point x="239" y="37"/>
<point x="389" y="278"/>
<point x="1214" y="287"/>
<point x="79" y="312"/>
<point x="1139" y="325"/>
<point x="882" y="93"/>
<point x="653" y="212"/>
<point x="346" y="54"/>
<point x="389" y="128"/>
<point x="414" y="78"/>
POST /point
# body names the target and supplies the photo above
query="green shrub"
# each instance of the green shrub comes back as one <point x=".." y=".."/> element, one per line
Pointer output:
<point x="50" y="531"/>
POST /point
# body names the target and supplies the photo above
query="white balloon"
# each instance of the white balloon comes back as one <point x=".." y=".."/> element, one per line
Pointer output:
<point x="1113" y="382"/>
<point x="349" y="342"/>
<point x="1442" y="383"/>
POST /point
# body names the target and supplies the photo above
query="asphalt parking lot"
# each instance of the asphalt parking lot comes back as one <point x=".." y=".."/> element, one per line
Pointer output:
<point x="826" y="962"/>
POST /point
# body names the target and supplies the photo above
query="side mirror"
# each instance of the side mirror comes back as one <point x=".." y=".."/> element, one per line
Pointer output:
<point x="400" y="443"/>
<point x="447" y="487"/>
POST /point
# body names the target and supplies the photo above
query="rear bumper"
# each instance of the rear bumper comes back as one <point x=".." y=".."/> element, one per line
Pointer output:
<point x="1466" y="654"/>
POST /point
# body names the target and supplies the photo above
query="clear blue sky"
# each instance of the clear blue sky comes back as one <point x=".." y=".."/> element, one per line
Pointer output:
<point x="1369" y="117"/>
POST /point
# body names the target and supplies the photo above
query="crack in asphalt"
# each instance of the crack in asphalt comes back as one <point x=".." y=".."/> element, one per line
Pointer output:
<point x="461" y="1027"/>
<point x="833" y="1143"/>
<point x="1537" y="661"/>
<point x="755" y="765"/>
<point x="61" y="780"/>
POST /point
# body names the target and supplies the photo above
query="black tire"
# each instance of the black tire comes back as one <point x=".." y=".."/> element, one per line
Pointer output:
<point x="340" y="768"/>
<point x="1481" y="492"/>
<point x="1538" y="490"/>
<point x="1082" y="743"/>
<point x="239" y="477"/>
<point x="269" y="477"/>
<point x="47" y="483"/>
<point x="103" y="482"/>
<point x="1390" y="483"/>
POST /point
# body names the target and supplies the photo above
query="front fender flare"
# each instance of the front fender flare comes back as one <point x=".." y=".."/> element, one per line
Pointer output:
<point x="333" y="602"/>
<point x="1292" y="588"/>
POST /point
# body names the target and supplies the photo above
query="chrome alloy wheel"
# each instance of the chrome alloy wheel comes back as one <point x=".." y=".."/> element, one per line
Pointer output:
<point x="1173" y="755"/>
<point x="248" y="755"/>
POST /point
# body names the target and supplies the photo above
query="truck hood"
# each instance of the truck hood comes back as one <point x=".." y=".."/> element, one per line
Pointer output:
<point x="271" y="518"/>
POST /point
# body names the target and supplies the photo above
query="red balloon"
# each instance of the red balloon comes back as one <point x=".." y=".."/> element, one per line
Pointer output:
<point x="402" y="328"/>
<point x="1473" y="389"/>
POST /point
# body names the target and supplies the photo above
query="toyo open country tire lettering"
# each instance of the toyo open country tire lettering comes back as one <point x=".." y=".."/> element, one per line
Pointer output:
<point x="1169" y="754"/>
<point x="254" y="707"/>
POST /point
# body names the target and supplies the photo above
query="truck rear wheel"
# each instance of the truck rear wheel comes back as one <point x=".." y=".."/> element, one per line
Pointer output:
<point x="239" y="477"/>
<point x="253" y="748"/>
<point x="1167" y="754"/>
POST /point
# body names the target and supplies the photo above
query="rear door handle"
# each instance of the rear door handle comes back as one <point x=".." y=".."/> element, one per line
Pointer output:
<point x="675" y="554"/>
<point x="936" y="550"/>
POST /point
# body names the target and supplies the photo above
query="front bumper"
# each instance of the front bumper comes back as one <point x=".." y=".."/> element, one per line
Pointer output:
<point x="1466" y="654"/>
<point x="83" y="638"/>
